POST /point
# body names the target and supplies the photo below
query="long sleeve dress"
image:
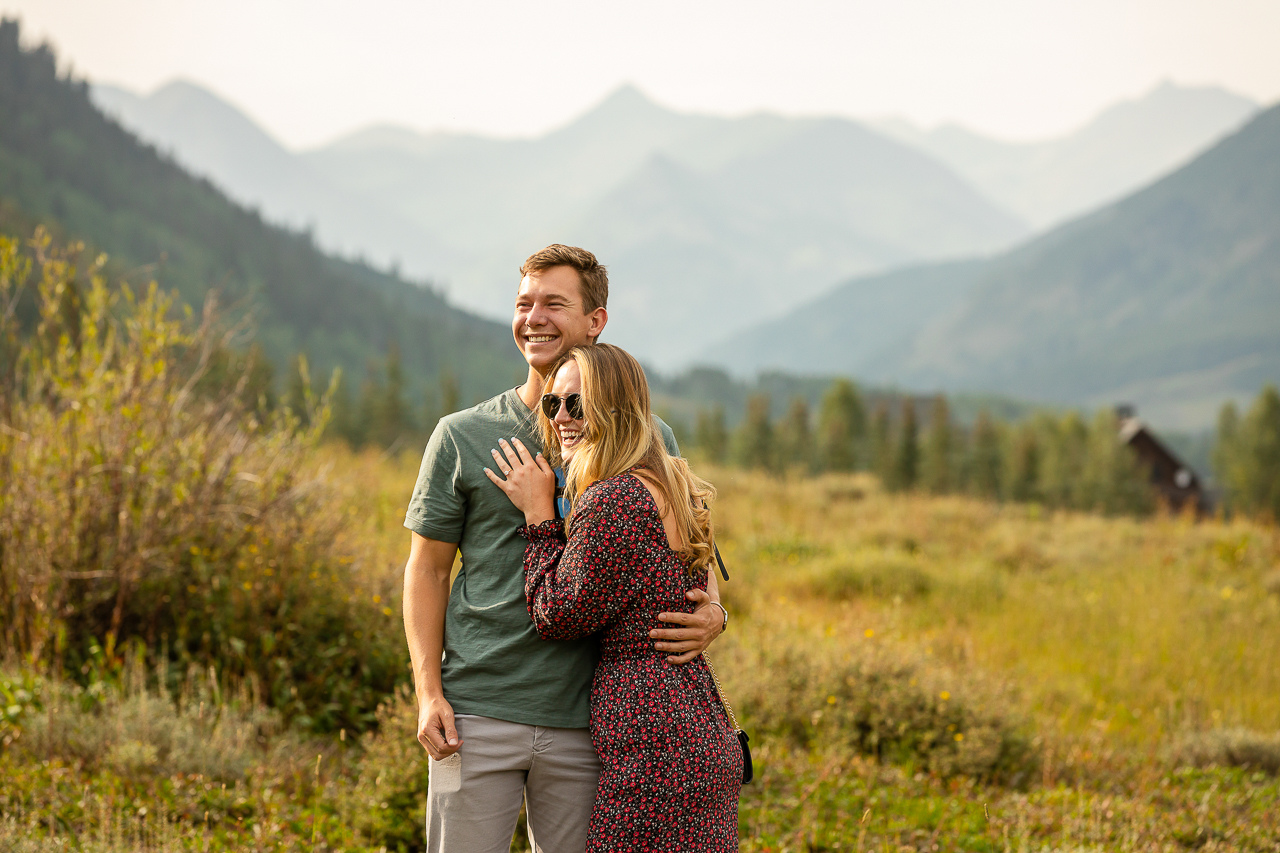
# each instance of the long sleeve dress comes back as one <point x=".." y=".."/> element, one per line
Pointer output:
<point x="670" y="766"/>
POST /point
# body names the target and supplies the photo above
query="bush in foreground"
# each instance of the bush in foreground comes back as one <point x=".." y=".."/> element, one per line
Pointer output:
<point x="145" y="505"/>
<point x="878" y="699"/>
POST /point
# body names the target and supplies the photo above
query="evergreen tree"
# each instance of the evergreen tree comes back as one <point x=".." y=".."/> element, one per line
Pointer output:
<point x="1063" y="449"/>
<point x="984" y="458"/>
<point x="440" y="402"/>
<point x="364" y="424"/>
<point x="754" y="444"/>
<point x="1226" y="448"/>
<point x="881" y="445"/>
<point x="1113" y="481"/>
<point x="343" y="423"/>
<point x="937" y="467"/>
<point x="710" y="434"/>
<point x="449" y="395"/>
<point x="1022" y="470"/>
<point x="795" y="439"/>
<point x="394" y="413"/>
<point x="841" y="424"/>
<point x="679" y="427"/>
<point x="1255" y="477"/>
<point x="906" y="451"/>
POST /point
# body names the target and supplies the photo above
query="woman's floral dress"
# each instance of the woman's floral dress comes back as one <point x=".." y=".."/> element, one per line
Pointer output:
<point x="670" y="766"/>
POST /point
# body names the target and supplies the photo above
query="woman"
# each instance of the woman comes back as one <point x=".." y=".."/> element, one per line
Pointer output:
<point x="639" y="538"/>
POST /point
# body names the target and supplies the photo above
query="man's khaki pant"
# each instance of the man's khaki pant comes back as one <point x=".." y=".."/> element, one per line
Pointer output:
<point x="474" y="796"/>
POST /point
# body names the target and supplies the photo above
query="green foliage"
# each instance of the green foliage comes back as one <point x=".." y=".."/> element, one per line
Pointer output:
<point x="146" y="503"/>
<point x="905" y="469"/>
<point x="754" y="444"/>
<point x="1065" y="445"/>
<point x="711" y="435"/>
<point x="881" y="443"/>
<point x="1248" y="455"/>
<point x="937" y="463"/>
<point x="983" y="466"/>
<point x="1112" y="481"/>
<point x="1022" y="471"/>
<point x="841" y="426"/>
<point x="795" y="437"/>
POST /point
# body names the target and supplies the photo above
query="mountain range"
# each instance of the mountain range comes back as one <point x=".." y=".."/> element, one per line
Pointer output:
<point x="66" y="165"/>
<point x="724" y="237"/>
<point x="1127" y="146"/>
<point x="1169" y="298"/>
<point x="703" y="220"/>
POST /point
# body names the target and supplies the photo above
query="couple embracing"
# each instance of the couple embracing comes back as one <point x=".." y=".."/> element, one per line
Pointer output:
<point x="550" y="673"/>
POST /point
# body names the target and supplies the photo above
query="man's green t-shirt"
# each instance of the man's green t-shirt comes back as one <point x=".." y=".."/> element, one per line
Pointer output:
<point x="494" y="663"/>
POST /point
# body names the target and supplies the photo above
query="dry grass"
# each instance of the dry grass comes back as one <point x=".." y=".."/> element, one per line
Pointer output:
<point x="1112" y="679"/>
<point x="1141" y="629"/>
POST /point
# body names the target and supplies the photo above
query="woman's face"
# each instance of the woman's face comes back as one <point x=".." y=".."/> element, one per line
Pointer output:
<point x="568" y="381"/>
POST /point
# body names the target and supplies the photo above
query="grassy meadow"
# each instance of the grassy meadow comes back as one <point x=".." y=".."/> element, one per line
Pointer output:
<point x="918" y="673"/>
<point x="201" y="645"/>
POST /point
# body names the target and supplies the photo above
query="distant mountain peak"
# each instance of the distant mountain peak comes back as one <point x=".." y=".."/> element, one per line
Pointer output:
<point x="628" y="96"/>
<point x="627" y="103"/>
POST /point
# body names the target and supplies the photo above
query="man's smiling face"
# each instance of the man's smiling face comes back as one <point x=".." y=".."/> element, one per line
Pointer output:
<point x="549" y="320"/>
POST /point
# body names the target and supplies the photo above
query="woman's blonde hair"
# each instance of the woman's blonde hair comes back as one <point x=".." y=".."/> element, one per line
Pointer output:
<point x="621" y="433"/>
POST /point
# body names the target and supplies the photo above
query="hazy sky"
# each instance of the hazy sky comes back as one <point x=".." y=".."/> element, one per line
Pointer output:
<point x="309" y="71"/>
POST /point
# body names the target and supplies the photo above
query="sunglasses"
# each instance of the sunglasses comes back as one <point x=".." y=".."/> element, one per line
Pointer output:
<point x="551" y="405"/>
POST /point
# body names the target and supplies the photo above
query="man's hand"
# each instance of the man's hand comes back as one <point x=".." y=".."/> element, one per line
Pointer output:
<point x="436" y="731"/>
<point x="696" y="633"/>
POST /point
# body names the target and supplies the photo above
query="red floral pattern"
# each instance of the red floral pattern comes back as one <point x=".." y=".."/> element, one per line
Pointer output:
<point x="671" y="767"/>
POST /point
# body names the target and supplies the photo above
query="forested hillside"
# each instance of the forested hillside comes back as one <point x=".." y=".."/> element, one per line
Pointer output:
<point x="66" y="165"/>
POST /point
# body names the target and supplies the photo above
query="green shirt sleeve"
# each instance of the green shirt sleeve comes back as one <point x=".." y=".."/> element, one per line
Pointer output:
<point x="438" y="507"/>
<point x="668" y="436"/>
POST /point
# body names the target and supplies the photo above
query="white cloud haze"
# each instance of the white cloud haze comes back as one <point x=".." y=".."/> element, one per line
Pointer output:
<point x="309" y="71"/>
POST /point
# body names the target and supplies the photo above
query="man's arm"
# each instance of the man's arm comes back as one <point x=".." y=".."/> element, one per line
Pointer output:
<point x="426" y="596"/>
<point x="698" y="629"/>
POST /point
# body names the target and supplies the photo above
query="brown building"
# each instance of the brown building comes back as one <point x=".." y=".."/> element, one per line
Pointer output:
<point x="1173" y="480"/>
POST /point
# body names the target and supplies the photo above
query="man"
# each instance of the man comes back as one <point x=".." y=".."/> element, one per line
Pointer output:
<point x="503" y="713"/>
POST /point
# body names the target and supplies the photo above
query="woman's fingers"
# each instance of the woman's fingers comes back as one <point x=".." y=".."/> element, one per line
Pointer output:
<point x="522" y="452"/>
<point x="498" y="481"/>
<point x="509" y="454"/>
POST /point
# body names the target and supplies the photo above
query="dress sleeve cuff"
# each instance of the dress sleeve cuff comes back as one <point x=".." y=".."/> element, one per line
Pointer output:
<point x="552" y="528"/>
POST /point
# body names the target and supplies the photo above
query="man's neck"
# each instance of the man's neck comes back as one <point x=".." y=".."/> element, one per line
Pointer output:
<point x="531" y="391"/>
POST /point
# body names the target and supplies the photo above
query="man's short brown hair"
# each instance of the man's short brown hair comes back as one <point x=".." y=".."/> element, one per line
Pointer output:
<point x="592" y="274"/>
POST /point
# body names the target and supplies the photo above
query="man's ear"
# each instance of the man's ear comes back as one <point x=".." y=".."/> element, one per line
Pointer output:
<point x="598" y="319"/>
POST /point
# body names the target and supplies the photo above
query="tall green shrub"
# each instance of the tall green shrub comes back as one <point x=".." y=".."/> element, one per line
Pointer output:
<point x="141" y="506"/>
